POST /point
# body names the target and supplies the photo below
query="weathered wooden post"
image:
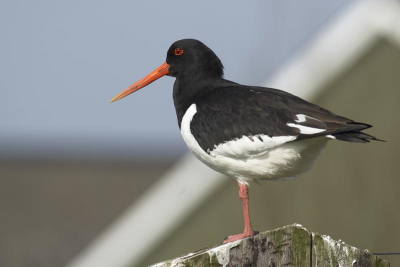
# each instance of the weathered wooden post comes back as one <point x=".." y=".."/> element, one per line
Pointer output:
<point x="291" y="245"/>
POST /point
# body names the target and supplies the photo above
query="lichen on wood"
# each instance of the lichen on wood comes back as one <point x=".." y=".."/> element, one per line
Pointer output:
<point x="328" y="252"/>
<point x="291" y="245"/>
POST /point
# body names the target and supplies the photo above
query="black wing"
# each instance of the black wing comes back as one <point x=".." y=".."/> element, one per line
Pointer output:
<point x="231" y="112"/>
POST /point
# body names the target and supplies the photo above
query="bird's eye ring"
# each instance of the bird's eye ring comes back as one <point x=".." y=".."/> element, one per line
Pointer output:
<point x="178" y="51"/>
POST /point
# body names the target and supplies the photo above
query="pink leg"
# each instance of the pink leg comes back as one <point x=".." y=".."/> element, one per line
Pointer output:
<point x="248" y="231"/>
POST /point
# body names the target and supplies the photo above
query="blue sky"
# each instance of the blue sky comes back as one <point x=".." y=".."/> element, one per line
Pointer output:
<point x="61" y="63"/>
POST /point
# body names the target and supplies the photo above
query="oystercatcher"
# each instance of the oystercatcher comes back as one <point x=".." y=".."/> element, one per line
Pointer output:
<point x="249" y="133"/>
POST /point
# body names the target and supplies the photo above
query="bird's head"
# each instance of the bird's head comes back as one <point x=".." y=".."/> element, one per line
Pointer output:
<point x="190" y="56"/>
<point x="185" y="58"/>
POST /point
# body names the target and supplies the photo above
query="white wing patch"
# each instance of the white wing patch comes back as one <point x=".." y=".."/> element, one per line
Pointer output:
<point x="247" y="147"/>
<point x="304" y="123"/>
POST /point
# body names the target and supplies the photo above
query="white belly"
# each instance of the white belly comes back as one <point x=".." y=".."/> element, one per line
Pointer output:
<point x="247" y="160"/>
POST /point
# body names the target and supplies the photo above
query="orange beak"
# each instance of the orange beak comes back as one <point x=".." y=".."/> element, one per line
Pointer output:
<point x="156" y="74"/>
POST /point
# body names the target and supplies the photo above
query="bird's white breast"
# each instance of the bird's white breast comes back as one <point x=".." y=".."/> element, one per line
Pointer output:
<point x="259" y="157"/>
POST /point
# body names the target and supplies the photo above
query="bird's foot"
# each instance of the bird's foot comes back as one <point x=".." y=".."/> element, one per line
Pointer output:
<point x="232" y="238"/>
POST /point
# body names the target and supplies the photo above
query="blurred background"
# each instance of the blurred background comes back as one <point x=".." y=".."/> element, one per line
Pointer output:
<point x="87" y="183"/>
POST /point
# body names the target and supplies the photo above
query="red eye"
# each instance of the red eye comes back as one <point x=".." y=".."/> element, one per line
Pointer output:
<point x="178" y="51"/>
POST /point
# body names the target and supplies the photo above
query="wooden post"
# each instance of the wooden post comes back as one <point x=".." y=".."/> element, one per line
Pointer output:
<point x="291" y="245"/>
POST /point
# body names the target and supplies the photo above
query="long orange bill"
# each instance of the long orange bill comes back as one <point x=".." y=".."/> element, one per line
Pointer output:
<point x="156" y="74"/>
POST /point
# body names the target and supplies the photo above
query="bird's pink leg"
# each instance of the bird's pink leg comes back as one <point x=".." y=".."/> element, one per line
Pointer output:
<point x="248" y="231"/>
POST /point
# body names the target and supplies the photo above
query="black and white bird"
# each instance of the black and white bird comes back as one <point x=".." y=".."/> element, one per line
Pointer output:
<point x="249" y="133"/>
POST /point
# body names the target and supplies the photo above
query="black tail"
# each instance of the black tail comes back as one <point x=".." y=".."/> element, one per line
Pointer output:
<point x="355" y="136"/>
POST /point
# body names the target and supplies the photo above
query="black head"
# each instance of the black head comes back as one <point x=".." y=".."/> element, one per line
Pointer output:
<point x="191" y="57"/>
<point x="186" y="58"/>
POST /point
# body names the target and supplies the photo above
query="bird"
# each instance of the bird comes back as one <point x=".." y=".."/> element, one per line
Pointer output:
<point x="249" y="133"/>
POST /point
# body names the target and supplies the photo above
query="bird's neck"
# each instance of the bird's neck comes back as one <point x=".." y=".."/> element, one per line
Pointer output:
<point x="187" y="91"/>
